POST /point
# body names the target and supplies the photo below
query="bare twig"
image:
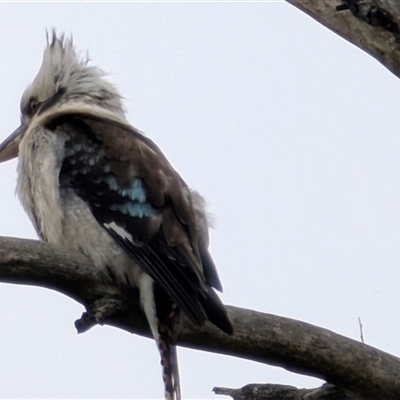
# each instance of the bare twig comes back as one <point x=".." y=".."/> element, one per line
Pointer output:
<point x="361" y="330"/>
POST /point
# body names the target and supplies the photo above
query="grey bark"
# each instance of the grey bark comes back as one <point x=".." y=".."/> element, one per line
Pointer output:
<point x="352" y="366"/>
<point x="284" y="392"/>
<point x="371" y="25"/>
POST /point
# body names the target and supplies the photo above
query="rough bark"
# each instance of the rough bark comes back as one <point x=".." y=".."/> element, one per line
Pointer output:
<point x="294" y="345"/>
<point x="284" y="392"/>
<point x="371" y="25"/>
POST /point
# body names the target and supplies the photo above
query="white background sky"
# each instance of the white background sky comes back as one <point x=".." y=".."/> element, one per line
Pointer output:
<point x="289" y="132"/>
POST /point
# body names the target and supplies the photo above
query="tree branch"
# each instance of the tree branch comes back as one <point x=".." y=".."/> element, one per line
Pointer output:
<point x="294" y="345"/>
<point x="371" y="25"/>
<point x="284" y="392"/>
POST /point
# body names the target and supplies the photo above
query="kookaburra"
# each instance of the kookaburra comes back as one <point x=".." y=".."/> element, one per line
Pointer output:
<point x="91" y="182"/>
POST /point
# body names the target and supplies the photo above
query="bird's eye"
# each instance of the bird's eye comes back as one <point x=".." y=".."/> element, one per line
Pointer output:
<point x="34" y="105"/>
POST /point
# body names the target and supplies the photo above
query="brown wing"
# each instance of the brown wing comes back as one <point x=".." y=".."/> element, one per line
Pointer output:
<point x="143" y="203"/>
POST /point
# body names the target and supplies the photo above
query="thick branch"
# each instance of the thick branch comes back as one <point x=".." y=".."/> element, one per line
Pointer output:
<point x="293" y="345"/>
<point x="371" y="25"/>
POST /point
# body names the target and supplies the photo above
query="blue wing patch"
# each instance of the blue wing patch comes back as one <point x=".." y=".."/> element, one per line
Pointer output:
<point x="136" y="206"/>
<point x="135" y="192"/>
<point x="85" y="162"/>
<point x="134" y="209"/>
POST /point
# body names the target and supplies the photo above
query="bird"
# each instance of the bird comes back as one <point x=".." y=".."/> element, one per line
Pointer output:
<point x="92" y="182"/>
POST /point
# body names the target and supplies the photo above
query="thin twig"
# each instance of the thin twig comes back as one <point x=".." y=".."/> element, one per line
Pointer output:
<point x="361" y="330"/>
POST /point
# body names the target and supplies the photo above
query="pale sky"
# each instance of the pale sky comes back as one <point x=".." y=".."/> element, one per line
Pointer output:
<point x="288" y="131"/>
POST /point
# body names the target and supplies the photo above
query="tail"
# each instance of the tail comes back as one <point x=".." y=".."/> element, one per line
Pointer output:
<point x="216" y="311"/>
<point x="170" y="370"/>
<point x="167" y="321"/>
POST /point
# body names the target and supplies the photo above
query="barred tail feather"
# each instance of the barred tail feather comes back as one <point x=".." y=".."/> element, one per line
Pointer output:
<point x="170" y="370"/>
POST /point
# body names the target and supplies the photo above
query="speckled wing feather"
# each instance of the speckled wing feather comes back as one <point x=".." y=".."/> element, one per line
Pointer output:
<point x="136" y="195"/>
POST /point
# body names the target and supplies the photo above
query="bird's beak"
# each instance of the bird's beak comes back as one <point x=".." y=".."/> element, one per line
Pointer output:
<point x="9" y="147"/>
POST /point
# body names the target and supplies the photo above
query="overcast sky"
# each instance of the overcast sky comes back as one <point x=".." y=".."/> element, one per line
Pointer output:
<point x="289" y="132"/>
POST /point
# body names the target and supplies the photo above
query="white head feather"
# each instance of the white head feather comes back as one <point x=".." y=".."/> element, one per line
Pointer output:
<point x="65" y="78"/>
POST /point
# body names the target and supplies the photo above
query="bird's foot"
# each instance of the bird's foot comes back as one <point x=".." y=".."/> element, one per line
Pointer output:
<point x="98" y="313"/>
